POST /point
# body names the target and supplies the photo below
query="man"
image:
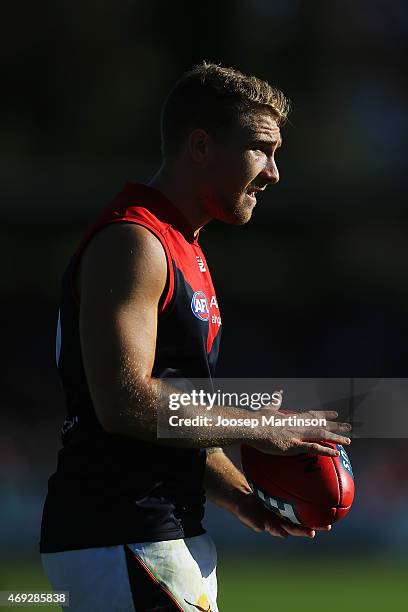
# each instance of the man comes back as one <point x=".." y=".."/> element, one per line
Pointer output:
<point x="122" y="520"/>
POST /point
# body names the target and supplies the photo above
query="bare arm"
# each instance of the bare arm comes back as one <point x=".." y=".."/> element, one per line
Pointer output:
<point x="224" y="483"/>
<point x="122" y="277"/>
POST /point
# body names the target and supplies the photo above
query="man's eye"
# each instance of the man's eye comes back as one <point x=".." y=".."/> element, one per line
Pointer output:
<point x="265" y="149"/>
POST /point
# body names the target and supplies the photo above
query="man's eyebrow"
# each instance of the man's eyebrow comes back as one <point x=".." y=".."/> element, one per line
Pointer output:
<point x="266" y="141"/>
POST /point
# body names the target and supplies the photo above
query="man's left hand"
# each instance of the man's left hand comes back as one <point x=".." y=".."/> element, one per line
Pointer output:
<point x="250" y="511"/>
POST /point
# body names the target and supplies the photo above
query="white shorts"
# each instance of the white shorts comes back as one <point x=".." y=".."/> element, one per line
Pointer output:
<point x="162" y="576"/>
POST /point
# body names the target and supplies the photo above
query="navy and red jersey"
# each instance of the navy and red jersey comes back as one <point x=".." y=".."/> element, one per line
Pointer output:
<point x="111" y="489"/>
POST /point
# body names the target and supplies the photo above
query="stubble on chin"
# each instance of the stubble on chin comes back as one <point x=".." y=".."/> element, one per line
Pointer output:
<point x="234" y="211"/>
<point x="240" y="212"/>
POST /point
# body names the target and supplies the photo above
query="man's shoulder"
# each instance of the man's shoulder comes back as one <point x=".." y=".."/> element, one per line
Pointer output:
<point x="136" y="203"/>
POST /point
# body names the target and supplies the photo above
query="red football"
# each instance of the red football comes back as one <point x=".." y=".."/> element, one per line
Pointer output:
<point x="308" y="490"/>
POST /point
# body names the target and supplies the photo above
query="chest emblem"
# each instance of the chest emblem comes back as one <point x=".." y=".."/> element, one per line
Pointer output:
<point x="199" y="306"/>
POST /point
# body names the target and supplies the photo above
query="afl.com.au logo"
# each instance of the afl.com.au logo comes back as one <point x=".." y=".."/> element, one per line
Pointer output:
<point x="199" y="306"/>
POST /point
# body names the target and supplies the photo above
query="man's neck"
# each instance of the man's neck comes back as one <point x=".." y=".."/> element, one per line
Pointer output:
<point x="181" y="193"/>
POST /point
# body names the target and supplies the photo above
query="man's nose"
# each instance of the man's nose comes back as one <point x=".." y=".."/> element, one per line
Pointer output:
<point x="271" y="171"/>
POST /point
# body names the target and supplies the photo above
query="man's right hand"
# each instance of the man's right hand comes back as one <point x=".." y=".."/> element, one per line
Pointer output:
<point x="287" y="440"/>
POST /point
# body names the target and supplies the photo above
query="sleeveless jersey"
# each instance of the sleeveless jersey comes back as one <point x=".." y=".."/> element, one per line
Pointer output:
<point x="111" y="489"/>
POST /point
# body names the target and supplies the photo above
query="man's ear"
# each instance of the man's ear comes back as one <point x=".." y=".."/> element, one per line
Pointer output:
<point x="198" y="146"/>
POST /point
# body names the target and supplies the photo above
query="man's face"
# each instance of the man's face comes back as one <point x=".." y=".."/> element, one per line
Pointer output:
<point x="241" y="166"/>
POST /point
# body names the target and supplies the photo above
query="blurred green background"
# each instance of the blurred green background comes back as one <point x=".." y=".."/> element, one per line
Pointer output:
<point x="354" y="584"/>
<point x="316" y="283"/>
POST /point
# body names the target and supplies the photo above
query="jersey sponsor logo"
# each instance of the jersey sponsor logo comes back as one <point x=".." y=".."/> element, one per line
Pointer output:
<point x="201" y="264"/>
<point x="199" y="306"/>
<point x="215" y="319"/>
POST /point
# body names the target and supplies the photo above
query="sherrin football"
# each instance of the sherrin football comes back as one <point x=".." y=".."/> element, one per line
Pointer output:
<point x="308" y="490"/>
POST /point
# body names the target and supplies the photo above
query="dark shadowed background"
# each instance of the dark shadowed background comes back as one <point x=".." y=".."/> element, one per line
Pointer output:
<point x="316" y="284"/>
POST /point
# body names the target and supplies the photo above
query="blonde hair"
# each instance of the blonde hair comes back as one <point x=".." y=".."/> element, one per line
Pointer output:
<point x="214" y="97"/>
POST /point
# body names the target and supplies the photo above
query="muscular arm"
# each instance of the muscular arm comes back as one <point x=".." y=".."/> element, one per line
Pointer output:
<point x="122" y="278"/>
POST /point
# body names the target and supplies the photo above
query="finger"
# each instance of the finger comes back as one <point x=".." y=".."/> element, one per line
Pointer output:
<point x="338" y="427"/>
<point x="298" y="530"/>
<point x="254" y="523"/>
<point x="273" y="523"/>
<point x="334" y="426"/>
<point x="328" y="436"/>
<point x="317" y="449"/>
<point x="324" y="414"/>
<point x="278" y="532"/>
<point x="325" y="436"/>
<point x="326" y="528"/>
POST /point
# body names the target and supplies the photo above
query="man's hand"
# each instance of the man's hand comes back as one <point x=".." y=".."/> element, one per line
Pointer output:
<point x="227" y="487"/>
<point x="287" y="440"/>
<point x="250" y="511"/>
